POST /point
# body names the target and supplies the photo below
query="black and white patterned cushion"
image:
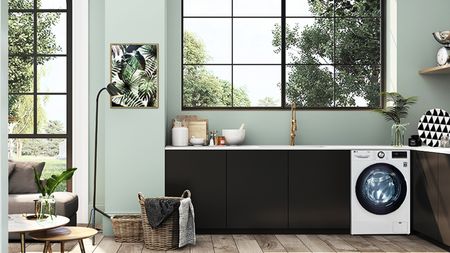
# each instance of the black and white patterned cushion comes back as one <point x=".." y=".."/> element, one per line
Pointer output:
<point x="432" y="125"/>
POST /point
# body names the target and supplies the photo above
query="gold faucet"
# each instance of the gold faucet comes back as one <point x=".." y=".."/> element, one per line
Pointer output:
<point x="293" y="124"/>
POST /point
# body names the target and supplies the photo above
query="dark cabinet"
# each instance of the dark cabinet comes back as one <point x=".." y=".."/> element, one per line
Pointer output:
<point x="425" y="194"/>
<point x="257" y="189"/>
<point x="204" y="174"/>
<point x="444" y="198"/>
<point x="319" y="189"/>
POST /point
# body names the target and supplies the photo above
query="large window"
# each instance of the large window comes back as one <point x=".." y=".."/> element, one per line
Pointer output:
<point x="40" y="83"/>
<point x="246" y="54"/>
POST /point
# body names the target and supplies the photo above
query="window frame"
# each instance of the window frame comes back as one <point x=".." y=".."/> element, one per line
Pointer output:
<point x="68" y="135"/>
<point x="284" y="64"/>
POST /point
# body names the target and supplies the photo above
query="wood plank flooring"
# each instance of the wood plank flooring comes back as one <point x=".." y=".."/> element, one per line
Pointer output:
<point x="257" y="244"/>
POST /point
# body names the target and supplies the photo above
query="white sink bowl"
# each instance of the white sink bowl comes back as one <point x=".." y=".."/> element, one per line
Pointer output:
<point x="233" y="136"/>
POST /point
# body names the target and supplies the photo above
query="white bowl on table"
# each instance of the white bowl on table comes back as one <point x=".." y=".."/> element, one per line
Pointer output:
<point x="234" y="136"/>
<point x="197" y="141"/>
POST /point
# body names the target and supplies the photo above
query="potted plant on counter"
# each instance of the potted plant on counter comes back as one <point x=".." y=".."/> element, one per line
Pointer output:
<point x="396" y="109"/>
<point x="46" y="205"/>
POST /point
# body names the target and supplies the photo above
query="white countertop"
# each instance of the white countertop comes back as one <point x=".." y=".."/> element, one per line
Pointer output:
<point x="312" y="147"/>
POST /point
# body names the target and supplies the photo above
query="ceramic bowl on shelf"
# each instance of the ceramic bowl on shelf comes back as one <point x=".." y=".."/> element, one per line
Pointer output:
<point x="234" y="136"/>
<point x="197" y="141"/>
<point x="442" y="37"/>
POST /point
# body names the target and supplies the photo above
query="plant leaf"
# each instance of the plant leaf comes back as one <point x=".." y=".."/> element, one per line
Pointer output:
<point x="56" y="180"/>
<point x="37" y="180"/>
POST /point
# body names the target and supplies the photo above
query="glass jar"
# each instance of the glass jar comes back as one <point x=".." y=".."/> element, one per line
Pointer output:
<point x="46" y="207"/>
<point x="398" y="134"/>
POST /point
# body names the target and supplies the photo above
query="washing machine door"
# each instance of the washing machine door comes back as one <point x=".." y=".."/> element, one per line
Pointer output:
<point x="381" y="188"/>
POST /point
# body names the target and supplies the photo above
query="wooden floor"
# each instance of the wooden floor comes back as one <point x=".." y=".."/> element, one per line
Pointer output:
<point x="260" y="243"/>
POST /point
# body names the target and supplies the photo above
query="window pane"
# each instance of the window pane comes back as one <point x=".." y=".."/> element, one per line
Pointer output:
<point x="358" y="8"/>
<point x="257" y="8"/>
<point x="52" y="74"/>
<point x="253" y="40"/>
<point x="309" y="40"/>
<point x="21" y="4"/>
<point x="206" y="86"/>
<point x="52" y="33"/>
<point x="51" y="113"/>
<point x="309" y="8"/>
<point x="20" y="34"/>
<point x="20" y="74"/>
<point x="207" y="7"/>
<point x="310" y="85"/>
<point x="21" y="114"/>
<point x="259" y="84"/>
<point x="207" y="40"/>
<point x="358" y="41"/>
<point x="52" y="4"/>
<point x="358" y="86"/>
<point x="50" y="151"/>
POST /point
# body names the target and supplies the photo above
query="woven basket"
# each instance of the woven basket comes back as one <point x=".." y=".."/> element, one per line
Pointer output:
<point x="166" y="236"/>
<point x="127" y="228"/>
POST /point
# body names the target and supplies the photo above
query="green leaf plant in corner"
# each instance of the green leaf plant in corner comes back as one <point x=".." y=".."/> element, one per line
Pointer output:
<point x="48" y="187"/>
<point x="396" y="109"/>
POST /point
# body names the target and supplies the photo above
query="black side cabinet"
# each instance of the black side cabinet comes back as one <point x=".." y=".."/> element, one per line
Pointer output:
<point x="257" y="189"/>
<point x="319" y="190"/>
<point x="425" y="194"/>
<point x="444" y="198"/>
<point x="204" y="174"/>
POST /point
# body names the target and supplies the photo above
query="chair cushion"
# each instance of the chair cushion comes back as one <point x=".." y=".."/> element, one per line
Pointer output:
<point x="11" y="167"/>
<point x="66" y="203"/>
<point x="22" y="178"/>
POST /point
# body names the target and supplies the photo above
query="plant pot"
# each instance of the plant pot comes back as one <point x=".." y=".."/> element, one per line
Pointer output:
<point x="398" y="134"/>
<point x="46" y="207"/>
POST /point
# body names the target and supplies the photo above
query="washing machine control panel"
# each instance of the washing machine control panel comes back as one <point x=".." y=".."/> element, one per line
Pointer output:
<point x="381" y="154"/>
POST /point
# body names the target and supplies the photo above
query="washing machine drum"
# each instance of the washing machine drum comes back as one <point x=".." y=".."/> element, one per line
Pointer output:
<point x="381" y="188"/>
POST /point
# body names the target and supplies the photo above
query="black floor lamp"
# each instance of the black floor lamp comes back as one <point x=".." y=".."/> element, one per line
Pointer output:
<point x="114" y="92"/>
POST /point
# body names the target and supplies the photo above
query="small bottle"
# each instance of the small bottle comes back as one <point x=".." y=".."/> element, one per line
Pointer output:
<point x="211" y="138"/>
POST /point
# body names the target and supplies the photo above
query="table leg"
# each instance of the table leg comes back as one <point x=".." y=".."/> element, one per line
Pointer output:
<point x="22" y="242"/>
<point x="46" y="246"/>
<point x="81" y="246"/>
<point x="62" y="247"/>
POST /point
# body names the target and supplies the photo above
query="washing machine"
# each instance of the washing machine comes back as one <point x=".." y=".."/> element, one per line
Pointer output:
<point x="380" y="192"/>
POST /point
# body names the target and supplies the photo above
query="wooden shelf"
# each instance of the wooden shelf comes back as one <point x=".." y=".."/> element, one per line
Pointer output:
<point x="436" y="70"/>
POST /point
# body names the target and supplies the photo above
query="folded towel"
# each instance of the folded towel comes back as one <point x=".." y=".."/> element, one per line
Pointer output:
<point x="158" y="210"/>
<point x="187" y="222"/>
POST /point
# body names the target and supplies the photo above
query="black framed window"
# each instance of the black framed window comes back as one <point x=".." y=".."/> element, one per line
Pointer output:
<point x="40" y="83"/>
<point x="253" y="54"/>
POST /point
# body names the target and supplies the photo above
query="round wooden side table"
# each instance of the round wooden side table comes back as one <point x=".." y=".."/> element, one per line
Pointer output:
<point x="62" y="235"/>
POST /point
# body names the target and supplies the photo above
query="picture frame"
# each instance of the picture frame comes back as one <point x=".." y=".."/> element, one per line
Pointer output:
<point x="134" y="68"/>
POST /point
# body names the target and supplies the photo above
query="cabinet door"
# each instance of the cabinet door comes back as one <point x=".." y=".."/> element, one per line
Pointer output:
<point x="444" y="197"/>
<point x="204" y="174"/>
<point x="319" y="189"/>
<point x="425" y="199"/>
<point x="257" y="194"/>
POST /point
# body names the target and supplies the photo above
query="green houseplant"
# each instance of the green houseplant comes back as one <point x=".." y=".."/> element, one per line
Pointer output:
<point x="46" y="204"/>
<point x="396" y="110"/>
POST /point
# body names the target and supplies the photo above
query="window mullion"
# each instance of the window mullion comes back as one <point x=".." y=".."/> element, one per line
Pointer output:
<point x="283" y="53"/>
<point x="232" y="53"/>
<point x="35" y="102"/>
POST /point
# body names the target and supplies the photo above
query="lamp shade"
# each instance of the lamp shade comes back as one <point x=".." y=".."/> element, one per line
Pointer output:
<point x="113" y="90"/>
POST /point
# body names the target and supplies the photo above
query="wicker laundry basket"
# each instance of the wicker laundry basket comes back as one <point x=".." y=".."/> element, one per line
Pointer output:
<point x="166" y="236"/>
<point x="127" y="228"/>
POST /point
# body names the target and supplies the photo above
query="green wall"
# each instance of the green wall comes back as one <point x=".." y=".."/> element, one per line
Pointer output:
<point x="416" y="49"/>
<point x="132" y="140"/>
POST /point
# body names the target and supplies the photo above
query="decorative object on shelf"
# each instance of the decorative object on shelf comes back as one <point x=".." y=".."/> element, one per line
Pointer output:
<point x="396" y="109"/>
<point x="197" y="127"/>
<point x="135" y="70"/>
<point x="180" y="134"/>
<point x="414" y="141"/>
<point x="433" y="125"/>
<point x="197" y="141"/>
<point x="293" y="125"/>
<point x="443" y="54"/>
<point x="114" y="92"/>
<point x="444" y="141"/>
<point x="45" y="207"/>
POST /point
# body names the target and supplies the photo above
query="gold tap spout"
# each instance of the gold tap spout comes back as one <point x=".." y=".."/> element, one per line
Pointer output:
<point x="293" y="124"/>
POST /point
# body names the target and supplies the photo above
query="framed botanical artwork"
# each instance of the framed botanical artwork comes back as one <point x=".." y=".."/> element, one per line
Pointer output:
<point x="135" y="71"/>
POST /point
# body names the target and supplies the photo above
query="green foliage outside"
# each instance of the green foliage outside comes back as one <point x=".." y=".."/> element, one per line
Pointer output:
<point x="201" y="88"/>
<point x="355" y="57"/>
